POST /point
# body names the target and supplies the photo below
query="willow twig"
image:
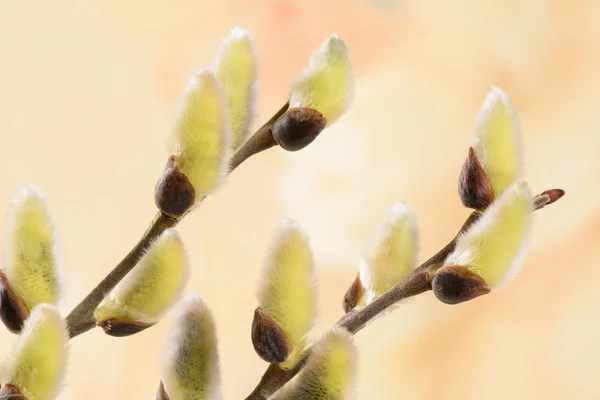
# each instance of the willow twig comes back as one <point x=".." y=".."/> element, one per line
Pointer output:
<point x="81" y="318"/>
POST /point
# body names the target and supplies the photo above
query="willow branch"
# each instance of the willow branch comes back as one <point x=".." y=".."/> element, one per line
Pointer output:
<point x="419" y="281"/>
<point x="81" y="318"/>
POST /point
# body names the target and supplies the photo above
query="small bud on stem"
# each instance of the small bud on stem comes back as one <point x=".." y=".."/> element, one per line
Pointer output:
<point x="174" y="193"/>
<point x="298" y="128"/>
<point x="10" y="392"/>
<point x="269" y="340"/>
<point x="12" y="311"/>
<point x="453" y="284"/>
<point x="353" y="295"/>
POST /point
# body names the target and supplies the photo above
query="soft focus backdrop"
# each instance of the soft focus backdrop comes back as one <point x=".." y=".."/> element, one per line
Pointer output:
<point x="87" y="90"/>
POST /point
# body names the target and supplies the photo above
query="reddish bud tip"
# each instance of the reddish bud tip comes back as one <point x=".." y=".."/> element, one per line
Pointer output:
<point x="353" y="295"/>
<point x="553" y="194"/>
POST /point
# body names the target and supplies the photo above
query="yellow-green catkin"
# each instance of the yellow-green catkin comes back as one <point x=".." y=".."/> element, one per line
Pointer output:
<point x="37" y="363"/>
<point x="329" y="372"/>
<point x="494" y="246"/>
<point x="190" y="368"/>
<point x="288" y="292"/>
<point x="236" y="67"/>
<point x="200" y="135"/>
<point x="391" y="255"/>
<point x="30" y="256"/>
<point x="497" y="141"/>
<point x="326" y="84"/>
<point x="152" y="286"/>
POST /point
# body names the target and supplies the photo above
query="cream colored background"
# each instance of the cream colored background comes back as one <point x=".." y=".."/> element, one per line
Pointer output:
<point x="86" y="93"/>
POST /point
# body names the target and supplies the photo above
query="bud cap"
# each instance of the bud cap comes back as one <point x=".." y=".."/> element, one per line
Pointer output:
<point x="174" y="194"/>
<point x="474" y="187"/>
<point x="453" y="284"/>
<point x="298" y="128"/>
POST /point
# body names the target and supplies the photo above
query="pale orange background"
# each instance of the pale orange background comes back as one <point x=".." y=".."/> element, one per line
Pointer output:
<point x="87" y="90"/>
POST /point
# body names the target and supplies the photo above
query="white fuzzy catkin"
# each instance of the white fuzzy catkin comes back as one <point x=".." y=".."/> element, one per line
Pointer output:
<point x="326" y="84"/>
<point x="200" y="135"/>
<point x="37" y="363"/>
<point x="329" y="372"/>
<point x="30" y="256"/>
<point x="497" y="141"/>
<point x="190" y="368"/>
<point x="288" y="292"/>
<point x="152" y="286"/>
<point x="236" y="67"/>
<point x="494" y="247"/>
<point x="391" y="254"/>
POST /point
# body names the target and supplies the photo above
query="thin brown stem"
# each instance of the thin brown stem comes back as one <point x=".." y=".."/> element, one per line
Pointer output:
<point x="260" y="141"/>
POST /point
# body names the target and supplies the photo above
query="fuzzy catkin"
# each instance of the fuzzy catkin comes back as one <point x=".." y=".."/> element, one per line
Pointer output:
<point x="152" y="286"/>
<point x="190" y="368"/>
<point x="329" y="371"/>
<point x="288" y="292"/>
<point x="30" y="257"/>
<point x="495" y="245"/>
<point x="37" y="363"/>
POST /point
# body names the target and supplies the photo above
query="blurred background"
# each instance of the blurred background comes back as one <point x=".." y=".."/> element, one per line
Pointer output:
<point x="87" y="91"/>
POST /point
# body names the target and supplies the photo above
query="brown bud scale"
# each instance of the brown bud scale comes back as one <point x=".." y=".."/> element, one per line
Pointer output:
<point x="269" y="340"/>
<point x="454" y="284"/>
<point x="161" y="394"/>
<point x="353" y="295"/>
<point x="12" y="311"/>
<point x="474" y="186"/>
<point x="119" y="328"/>
<point x="174" y="194"/>
<point x="298" y="127"/>
<point x="11" y="392"/>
